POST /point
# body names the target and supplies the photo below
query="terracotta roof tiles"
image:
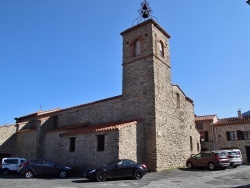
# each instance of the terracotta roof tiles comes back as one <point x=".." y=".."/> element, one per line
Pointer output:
<point x="99" y="128"/>
<point x="69" y="127"/>
<point x="204" y="118"/>
<point x="233" y="120"/>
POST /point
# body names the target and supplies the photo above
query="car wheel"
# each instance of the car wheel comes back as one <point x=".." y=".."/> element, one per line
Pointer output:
<point x="189" y="165"/>
<point x="234" y="166"/>
<point x="29" y="174"/>
<point x="138" y="174"/>
<point x="101" y="176"/>
<point x="211" y="166"/>
<point x="5" y="171"/>
<point x="63" y="174"/>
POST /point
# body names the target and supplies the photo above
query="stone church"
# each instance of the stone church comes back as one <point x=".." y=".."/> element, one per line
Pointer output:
<point x="152" y="121"/>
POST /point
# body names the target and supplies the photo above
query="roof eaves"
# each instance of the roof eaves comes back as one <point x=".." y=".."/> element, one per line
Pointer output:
<point x="106" y="127"/>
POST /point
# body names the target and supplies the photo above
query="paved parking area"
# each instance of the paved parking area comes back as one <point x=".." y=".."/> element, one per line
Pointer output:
<point x="182" y="177"/>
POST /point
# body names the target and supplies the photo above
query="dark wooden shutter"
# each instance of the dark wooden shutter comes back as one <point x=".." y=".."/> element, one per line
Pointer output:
<point x="228" y="136"/>
<point x="240" y="135"/>
<point x="206" y="136"/>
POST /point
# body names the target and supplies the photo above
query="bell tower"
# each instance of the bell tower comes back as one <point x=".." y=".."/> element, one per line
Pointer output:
<point x="147" y="87"/>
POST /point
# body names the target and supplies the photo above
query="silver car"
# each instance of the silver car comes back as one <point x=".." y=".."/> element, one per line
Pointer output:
<point x="234" y="158"/>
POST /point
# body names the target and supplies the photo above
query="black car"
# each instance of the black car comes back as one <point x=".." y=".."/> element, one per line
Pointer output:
<point x="117" y="169"/>
<point x="33" y="168"/>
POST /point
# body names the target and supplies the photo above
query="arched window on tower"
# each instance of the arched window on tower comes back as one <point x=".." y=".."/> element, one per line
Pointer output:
<point x="161" y="48"/>
<point x="137" y="48"/>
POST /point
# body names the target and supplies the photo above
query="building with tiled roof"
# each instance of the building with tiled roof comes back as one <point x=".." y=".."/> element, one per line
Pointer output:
<point x="225" y="133"/>
<point x="152" y="122"/>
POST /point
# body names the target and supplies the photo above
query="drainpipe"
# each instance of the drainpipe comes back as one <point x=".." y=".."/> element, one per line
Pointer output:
<point x="213" y="135"/>
<point x="216" y="137"/>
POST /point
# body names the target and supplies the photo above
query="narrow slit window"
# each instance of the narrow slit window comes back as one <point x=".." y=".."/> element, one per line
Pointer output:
<point x="137" y="48"/>
<point x="178" y="101"/>
<point x="191" y="143"/>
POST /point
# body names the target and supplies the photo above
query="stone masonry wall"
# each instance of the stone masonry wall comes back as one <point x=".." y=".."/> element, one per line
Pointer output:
<point x="85" y="154"/>
<point x="138" y="88"/>
<point x="26" y="144"/>
<point x="174" y="132"/>
<point x="210" y="144"/>
<point x="128" y="142"/>
<point x="7" y="139"/>
<point x="148" y="94"/>
<point x="104" y="111"/>
<point x="240" y="144"/>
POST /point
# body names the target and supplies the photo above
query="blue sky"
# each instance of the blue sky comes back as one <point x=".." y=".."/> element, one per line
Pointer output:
<point x="62" y="53"/>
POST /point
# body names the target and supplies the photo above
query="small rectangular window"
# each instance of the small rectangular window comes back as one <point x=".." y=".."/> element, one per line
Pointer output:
<point x="198" y="147"/>
<point x="232" y="136"/>
<point x="199" y="126"/>
<point x="100" y="142"/>
<point x="246" y="135"/>
<point x="72" y="144"/>
<point x="240" y="135"/>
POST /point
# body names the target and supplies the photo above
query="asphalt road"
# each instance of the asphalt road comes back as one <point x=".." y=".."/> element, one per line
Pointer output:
<point x="182" y="177"/>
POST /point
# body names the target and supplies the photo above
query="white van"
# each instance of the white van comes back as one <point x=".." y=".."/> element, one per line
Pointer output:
<point x="11" y="164"/>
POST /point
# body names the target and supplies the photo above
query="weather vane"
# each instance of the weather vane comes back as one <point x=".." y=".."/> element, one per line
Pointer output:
<point x="145" y="12"/>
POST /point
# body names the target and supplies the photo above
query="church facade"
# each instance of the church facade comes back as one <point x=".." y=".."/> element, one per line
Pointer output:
<point x="152" y="121"/>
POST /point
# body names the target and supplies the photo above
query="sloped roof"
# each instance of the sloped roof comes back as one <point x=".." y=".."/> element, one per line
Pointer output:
<point x="38" y="113"/>
<point x="69" y="127"/>
<point x="204" y="118"/>
<point x="91" y="103"/>
<point x="233" y="120"/>
<point x="49" y="112"/>
<point x="187" y="98"/>
<point x="100" y="127"/>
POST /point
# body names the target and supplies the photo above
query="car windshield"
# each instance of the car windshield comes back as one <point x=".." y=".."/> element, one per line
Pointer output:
<point x="220" y="154"/>
<point x="233" y="153"/>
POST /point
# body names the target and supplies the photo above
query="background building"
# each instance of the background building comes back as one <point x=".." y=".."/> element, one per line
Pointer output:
<point x="226" y="133"/>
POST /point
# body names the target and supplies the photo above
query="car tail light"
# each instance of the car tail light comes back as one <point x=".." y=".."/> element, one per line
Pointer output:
<point x="24" y="164"/>
<point x="217" y="157"/>
<point x="144" y="166"/>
